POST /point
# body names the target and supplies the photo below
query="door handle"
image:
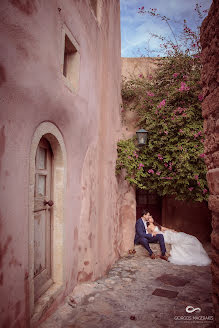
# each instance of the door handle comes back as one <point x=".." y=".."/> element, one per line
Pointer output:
<point x="50" y="202"/>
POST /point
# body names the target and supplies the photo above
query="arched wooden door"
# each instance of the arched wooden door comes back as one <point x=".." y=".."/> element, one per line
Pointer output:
<point x="42" y="218"/>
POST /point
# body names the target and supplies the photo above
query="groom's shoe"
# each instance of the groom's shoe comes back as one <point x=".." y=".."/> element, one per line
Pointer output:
<point x="164" y="257"/>
<point x="152" y="256"/>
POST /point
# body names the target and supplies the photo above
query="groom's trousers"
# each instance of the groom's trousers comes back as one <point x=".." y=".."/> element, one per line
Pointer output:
<point x="158" y="238"/>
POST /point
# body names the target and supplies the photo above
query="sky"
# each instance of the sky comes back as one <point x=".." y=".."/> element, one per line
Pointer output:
<point x="136" y="40"/>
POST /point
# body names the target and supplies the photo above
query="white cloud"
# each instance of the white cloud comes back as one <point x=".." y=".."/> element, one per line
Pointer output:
<point x="136" y="28"/>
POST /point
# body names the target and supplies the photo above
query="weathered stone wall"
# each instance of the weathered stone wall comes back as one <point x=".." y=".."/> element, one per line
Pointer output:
<point x="133" y="67"/>
<point x="210" y="110"/>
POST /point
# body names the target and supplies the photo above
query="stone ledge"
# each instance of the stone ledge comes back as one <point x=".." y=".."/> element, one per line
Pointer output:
<point x="45" y="302"/>
<point x="141" y="251"/>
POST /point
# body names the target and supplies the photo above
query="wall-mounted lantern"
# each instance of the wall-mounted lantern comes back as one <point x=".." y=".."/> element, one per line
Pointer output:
<point x="142" y="135"/>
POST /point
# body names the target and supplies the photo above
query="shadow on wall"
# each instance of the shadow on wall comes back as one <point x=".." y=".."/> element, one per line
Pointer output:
<point x="190" y="217"/>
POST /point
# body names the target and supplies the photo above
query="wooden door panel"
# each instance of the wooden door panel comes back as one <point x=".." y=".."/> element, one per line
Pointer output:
<point x="39" y="242"/>
<point x="42" y="219"/>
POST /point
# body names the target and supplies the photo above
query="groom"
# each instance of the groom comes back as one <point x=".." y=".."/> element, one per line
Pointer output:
<point x="144" y="238"/>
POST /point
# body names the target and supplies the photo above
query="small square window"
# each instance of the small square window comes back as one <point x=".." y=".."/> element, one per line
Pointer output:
<point x="71" y="62"/>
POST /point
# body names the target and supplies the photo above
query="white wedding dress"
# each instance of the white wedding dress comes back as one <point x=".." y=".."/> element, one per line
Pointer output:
<point x="185" y="249"/>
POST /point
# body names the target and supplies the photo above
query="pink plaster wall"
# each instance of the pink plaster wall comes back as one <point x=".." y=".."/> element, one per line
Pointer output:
<point x="32" y="91"/>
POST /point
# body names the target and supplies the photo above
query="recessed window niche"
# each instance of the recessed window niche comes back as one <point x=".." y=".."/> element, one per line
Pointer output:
<point x="71" y="60"/>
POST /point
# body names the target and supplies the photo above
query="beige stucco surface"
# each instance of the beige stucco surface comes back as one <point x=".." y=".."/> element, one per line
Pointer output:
<point x="32" y="91"/>
<point x="138" y="66"/>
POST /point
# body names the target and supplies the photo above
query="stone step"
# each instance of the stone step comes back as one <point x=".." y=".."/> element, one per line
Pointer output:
<point x="141" y="251"/>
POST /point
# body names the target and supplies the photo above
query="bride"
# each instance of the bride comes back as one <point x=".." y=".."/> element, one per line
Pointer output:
<point x="185" y="249"/>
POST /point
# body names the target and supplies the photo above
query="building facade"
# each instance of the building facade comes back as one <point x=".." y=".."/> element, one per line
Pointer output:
<point x="60" y="122"/>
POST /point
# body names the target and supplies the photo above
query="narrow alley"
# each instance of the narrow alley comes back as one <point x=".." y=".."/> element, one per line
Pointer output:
<point x="139" y="292"/>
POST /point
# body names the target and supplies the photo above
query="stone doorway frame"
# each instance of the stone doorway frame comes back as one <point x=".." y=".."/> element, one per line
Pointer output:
<point x="49" y="131"/>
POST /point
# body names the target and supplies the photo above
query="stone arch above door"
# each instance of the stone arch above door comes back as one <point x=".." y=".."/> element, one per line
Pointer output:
<point x="50" y="132"/>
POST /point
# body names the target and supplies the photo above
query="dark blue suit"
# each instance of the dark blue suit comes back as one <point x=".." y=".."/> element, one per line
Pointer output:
<point x="143" y="238"/>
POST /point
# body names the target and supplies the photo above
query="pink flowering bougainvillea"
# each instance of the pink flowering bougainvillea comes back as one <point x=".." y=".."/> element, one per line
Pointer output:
<point x="150" y="94"/>
<point x="175" y="74"/>
<point x="168" y="105"/>
<point x="184" y="87"/>
<point x="162" y="103"/>
<point x="200" y="97"/>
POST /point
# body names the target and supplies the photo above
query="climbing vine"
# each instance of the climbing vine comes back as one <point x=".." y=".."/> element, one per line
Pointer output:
<point x="168" y="105"/>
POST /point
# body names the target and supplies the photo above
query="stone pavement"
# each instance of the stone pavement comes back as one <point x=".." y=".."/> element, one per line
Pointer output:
<point x="139" y="292"/>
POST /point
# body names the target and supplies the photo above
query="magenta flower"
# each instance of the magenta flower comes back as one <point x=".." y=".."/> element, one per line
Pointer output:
<point x="198" y="183"/>
<point x="141" y="75"/>
<point x="181" y="131"/>
<point x="150" y="94"/>
<point x="165" y="164"/>
<point x="162" y="103"/>
<point x="159" y="157"/>
<point x="135" y="154"/>
<point x="183" y="87"/>
<point x="151" y="171"/>
<point x="129" y="157"/>
<point x="202" y="155"/>
<point x="158" y="173"/>
<point x="166" y="132"/>
<point x="140" y="166"/>
<point x="191" y="188"/>
<point x="204" y="191"/>
<point x="200" y="97"/>
<point x="196" y="176"/>
<point x="175" y="74"/>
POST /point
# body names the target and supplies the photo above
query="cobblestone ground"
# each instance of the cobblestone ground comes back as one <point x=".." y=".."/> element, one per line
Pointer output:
<point x="124" y="297"/>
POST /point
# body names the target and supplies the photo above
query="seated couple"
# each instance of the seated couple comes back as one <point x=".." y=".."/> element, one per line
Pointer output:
<point x="185" y="249"/>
